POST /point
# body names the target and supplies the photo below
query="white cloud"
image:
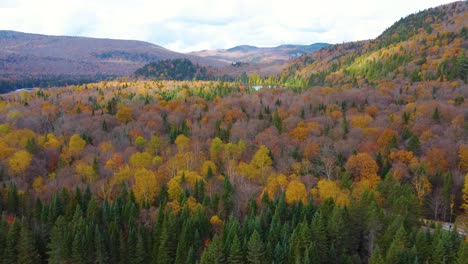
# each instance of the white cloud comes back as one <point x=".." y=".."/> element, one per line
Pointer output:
<point x="186" y="25"/>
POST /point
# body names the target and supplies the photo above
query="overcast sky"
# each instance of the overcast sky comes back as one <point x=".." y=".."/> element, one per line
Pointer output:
<point x="187" y="25"/>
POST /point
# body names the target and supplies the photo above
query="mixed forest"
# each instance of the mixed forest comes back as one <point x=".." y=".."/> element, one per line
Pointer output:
<point x="359" y="156"/>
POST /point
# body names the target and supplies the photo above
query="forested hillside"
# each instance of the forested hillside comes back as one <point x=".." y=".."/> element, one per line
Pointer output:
<point x="150" y="171"/>
<point x="426" y="46"/>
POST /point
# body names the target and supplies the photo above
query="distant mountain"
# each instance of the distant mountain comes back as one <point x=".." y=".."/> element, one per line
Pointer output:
<point x="31" y="59"/>
<point x="259" y="55"/>
<point x="430" y="45"/>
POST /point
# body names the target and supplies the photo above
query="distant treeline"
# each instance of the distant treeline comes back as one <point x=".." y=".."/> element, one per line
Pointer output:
<point x="176" y="69"/>
<point x="7" y="86"/>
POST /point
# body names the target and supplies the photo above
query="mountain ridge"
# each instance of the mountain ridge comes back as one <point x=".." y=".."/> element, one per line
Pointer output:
<point x="258" y="55"/>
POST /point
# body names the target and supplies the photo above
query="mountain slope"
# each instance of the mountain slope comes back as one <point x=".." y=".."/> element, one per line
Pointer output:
<point x="32" y="56"/>
<point x="426" y="46"/>
<point x="258" y="55"/>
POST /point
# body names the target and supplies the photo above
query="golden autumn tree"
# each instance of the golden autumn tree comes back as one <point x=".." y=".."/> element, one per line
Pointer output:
<point x="361" y="166"/>
<point x="38" y="184"/>
<point x="465" y="194"/>
<point x="124" y="114"/>
<point x="141" y="159"/>
<point x="85" y="171"/>
<point x="216" y="147"/>
<point x="361" y="121"/>
<point x="19" y="161"/>
<point x="295" y="192"/>
<point x="421" y="186"/>
<point x="463" y="157"/>
<point x="386" y="139"/>
<point x="183" y="143"/>
<point x="261" y="159"/>
<point x="153" y="144"/>
<point x="435" y="161"/>
<point x="208" y="166"/>
<point x="146" y="186"/>
<point x="76" y="144"/>
<point x="174" y="191"/>
<point x="50" y="141"/>
<point x="5" y="150"/>
<point x="331" y="189"/>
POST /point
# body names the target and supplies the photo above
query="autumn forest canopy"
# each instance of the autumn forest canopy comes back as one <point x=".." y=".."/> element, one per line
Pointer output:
<point x="356" y="153"/>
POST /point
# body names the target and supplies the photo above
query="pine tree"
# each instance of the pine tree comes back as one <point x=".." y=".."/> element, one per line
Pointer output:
<point x="164" y="256"/>
<point x="184" y="244"/>
<point x="255" y="249"/>
<point x="101" y="251"/>
<point x="235" y="252"/>
<point x="10" y="255"/>
<point x="214" y="253"/>
<point x="376" y="257"/>
<point x="227" y="197"/>
<point x="191" y="257"/>
<point x="414" y="144"/>
<point x="397" y="250"/>
<point x="60" y="242"/>
<point x="27" y="251"/>
<point x="462" y="255"/>
<point x="277" y="122"/>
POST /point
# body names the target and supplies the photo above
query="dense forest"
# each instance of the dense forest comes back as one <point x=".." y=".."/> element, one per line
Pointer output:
<point x="175" y="69"/>
<point x="234" y="175"/>
<point x="365" y="164"/>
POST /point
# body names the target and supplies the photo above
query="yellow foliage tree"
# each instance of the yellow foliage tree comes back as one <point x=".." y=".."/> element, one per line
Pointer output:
<point x="463" y="157"/>
<point x="50" y="141"/>
<point x="403" y="156"/>
<point x="38" y="184"/>
<point x="295" y="192"/>
<point x="207" y="165"/>
<point x="5" y="150"/>
<point x="191" y="177"/>
<point x="261" y="159"/>
<point x="153" y="145"/>
<point x="106" y="147"/>
<point x="124" y="173"/>
<point x="76" y="144"/>
<point x="85" y="171"/>
<point x="331" y="189"/>
<point x="20" y="161"/>
<point x="361" y="121"/>
<point x="215" y="148"/>
<point x="275" y="184"/>
<point x="183" y="143"/>
<point x="465" y="194"/>
<point x="146" y="186"/>
<point x="141" y="159"/>
<point x="385" y="139"/>
<point x="362" y="166"/>
<point x="421" y="186"/>
<point x="174" y="190"/>
<point x="124" y="114"/>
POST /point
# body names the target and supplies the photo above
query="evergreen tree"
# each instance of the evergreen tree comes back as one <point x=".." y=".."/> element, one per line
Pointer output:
<point x="256" y="249"/>
<point x="27" y="252"/>
<point x="227" y="197"/>
<point x="397" y="250"/>
<point x="10" y="255"/>
<point x="235" y="252"/>
<point x="60" y="242"/>
<point x="191" y="257"/>
<point x="214" y="253"/>
<point x="376" y="257"/>
<point x="101" y="251"/>
<point x="414" y="145"/>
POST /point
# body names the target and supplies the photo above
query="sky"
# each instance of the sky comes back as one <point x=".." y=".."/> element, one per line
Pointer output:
<point x="190" y="25"/>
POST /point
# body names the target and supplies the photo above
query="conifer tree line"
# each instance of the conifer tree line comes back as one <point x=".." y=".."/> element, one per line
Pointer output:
<point x="78" y="227"/>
